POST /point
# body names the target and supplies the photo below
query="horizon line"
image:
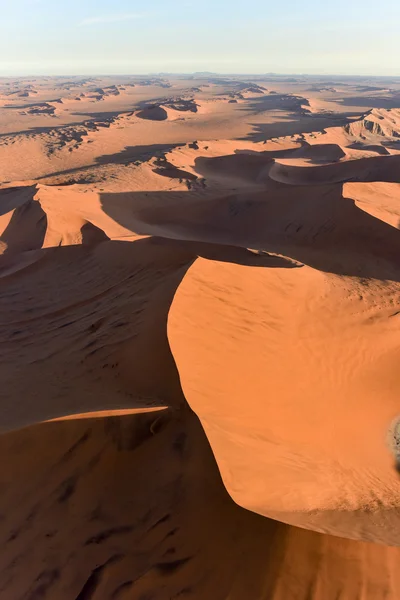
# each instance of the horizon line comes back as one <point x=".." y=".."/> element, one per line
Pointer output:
<point x="204" y="73"/>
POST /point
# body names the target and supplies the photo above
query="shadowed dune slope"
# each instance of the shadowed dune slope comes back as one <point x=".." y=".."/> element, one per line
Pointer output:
<point x="382" y="168"/>
<point x="153" y="113"/>
<point x="97" y="311"/>
<point x="102" y="526"/>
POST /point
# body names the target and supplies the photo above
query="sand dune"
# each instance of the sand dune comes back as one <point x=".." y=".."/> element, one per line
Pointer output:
<point x="344" y="481"/>
<point x="375" y="131"/>
<point x="84" y="330"/>
<point x="78" y="505"/>
<point x="168" y="109"/>
<point x="377" y="122"/>
<point x="153" y="113"/>
<point x="40" y="109"/>
<point x="382" y="168"/>
<point x="321" y="152"/>
<point x="199" y="317"/>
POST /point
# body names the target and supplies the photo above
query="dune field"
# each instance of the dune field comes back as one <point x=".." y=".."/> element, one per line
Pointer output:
<point x="200" y="324"/>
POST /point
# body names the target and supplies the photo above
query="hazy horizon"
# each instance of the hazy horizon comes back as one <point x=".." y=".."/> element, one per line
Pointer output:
<point x="221" y="74"/>
<point x="118" y="38"/>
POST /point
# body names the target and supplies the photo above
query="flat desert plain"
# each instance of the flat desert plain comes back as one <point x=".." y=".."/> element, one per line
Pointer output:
<point x="200" y="333"/>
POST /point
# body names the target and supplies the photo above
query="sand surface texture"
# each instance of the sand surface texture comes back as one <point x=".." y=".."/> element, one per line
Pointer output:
<point x="199" y="323"/>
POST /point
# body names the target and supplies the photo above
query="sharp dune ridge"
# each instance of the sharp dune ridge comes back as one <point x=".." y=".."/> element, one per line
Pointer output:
<point x="200" y="294"/>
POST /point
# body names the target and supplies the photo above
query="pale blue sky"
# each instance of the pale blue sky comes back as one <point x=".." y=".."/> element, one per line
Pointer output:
<point x="228" y="36"/>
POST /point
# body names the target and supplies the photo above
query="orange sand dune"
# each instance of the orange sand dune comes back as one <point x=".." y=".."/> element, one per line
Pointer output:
<point x="377" y="130"/>
<point x="376" y="168"/>
<point x="199" y="320"/>
<point x="311" y="372"/>
<point x="153" y="113"/>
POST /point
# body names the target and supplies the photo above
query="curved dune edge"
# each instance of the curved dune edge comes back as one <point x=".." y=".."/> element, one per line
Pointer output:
<point x="376" y="168"/>
<point x="77" y="504"/>
<point x="282" y="354"/>
<point x="101" y="414"/>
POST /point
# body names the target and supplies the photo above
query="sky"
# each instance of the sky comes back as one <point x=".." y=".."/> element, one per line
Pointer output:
<point x="74" y="37"/>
